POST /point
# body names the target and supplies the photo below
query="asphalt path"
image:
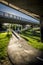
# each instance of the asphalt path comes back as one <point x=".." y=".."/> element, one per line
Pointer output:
<point x="20" y="53"/>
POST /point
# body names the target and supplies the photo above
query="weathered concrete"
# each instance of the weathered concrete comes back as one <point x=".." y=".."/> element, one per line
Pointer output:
<point x="20" y="52"/>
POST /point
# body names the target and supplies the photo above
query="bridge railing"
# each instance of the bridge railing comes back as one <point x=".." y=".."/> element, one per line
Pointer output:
<point x="8" y="15"/>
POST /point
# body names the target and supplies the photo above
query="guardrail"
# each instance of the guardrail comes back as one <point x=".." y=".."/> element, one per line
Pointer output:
<point x="15" y="34"/>
<point x="8" y="15"/>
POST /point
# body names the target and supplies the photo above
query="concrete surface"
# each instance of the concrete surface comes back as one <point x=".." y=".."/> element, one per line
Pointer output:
<point x="20" y="52"/>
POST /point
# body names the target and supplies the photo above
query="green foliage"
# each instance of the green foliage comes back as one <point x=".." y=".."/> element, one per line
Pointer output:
<point x="4" y="40"/>
<point x="33" y="39"/>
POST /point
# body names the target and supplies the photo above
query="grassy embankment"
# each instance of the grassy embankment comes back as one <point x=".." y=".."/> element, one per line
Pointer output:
<point x="33" y="38"/>
<point x="4" y="40"/>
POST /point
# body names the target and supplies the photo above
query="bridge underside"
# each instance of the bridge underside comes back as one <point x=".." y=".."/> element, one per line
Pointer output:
<point x="15" y="21"/>
<point x="32" y="6"/>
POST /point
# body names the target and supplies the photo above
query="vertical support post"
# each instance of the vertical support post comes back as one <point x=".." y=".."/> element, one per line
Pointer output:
<point x="41" y="19"/>
<point x="41" y="28"/>
<point x="15" y="27"/>
<point x="21" y="27"/>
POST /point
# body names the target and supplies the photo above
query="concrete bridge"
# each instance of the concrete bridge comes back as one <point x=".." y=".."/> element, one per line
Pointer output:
<point x="26" y="55"/>
<point x="33" y="8"/>
<point x="30" y="7"/>
<point x="11" y="18"/>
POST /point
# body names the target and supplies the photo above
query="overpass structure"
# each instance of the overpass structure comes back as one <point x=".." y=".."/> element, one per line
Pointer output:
<point x="33" y="8"/>
<point x="10" y="18"/>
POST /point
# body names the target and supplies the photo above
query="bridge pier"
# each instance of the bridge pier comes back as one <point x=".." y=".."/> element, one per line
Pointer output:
<point x="41" y="20"/>
<point x="41" y="28"/>
<point x="18" y="28"/>
<point x="15" y="27"/>
<point x="21" y="27"/>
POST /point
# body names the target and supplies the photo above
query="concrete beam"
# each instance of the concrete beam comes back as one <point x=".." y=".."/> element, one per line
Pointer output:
<point x="41" y="20"/>
<point x="41" y="27"/>
<point x="19" y="9"/>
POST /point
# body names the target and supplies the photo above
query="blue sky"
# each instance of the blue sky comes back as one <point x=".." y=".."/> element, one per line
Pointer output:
<point x="15" y="12"/>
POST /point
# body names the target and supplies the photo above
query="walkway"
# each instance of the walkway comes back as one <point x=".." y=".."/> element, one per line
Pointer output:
<point x="21" y="53"/>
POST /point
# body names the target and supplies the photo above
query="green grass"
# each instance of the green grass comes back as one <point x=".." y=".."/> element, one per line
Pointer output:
<point x="33" y="39"/>
<point x="4" y="40"/>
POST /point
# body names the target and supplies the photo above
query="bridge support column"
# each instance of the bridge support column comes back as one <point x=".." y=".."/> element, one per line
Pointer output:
<point x="21" y="27"/>
<point x="41" y="20"/>
<point x="15" y="27"/>
<point x="41" y="28"/>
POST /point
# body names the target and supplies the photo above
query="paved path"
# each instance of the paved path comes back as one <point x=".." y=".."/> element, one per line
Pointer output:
<point x="20" y="52"/>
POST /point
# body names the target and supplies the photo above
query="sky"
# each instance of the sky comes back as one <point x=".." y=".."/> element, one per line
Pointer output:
<point x="15" y="12"/>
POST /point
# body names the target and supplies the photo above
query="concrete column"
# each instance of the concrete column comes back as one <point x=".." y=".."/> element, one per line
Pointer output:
<point x="21" y="27"/>
<point x="41" y="20"/>
<point x="18" y="29"/>
<point x="15" y="27"/>
<point x="41" y="28"/>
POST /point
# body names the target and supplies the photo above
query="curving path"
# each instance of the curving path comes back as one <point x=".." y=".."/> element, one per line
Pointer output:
<point x="20" y="52"/>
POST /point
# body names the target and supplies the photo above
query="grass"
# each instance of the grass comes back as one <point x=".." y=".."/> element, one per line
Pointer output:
<point x="33" y="39"/>
<point x="4" y="40"/>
